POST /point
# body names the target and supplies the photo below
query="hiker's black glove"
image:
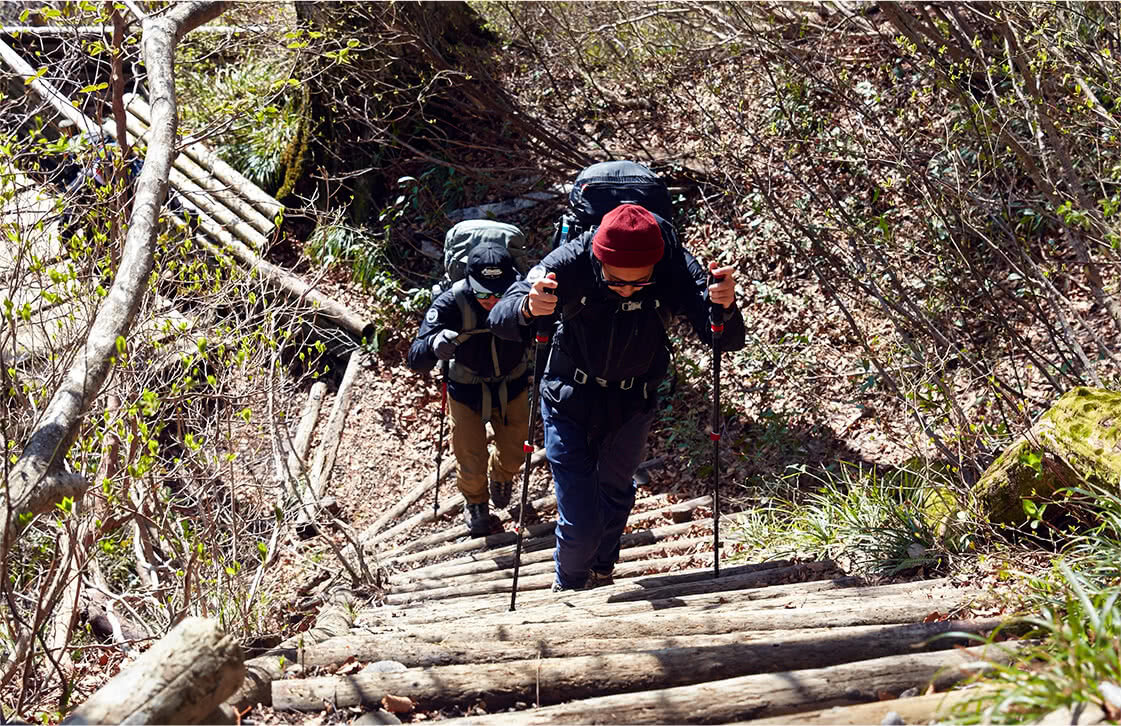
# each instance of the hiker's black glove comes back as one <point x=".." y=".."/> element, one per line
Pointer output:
<point x="444" y="344"/>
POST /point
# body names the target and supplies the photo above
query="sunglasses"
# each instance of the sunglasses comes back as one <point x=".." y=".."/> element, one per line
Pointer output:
<point x="481" y="293"/>
<point x="628" y="283"/>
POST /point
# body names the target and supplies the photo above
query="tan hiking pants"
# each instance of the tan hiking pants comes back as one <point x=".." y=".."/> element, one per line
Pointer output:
<point x="473" y="462"/>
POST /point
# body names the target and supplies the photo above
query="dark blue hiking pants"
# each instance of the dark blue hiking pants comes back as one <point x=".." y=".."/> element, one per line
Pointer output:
<point x="594" y="481"/>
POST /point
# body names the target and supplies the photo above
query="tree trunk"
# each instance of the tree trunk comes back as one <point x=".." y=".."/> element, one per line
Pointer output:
<point x="555" y="680"/>
<point x="180" y="679"/>
<point x="38" y="481"/>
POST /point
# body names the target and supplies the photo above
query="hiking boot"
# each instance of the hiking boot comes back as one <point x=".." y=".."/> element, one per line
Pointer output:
<point x="500" y="492"/>
<point x="477" y="518"/>
<point x="599" y="579"/>
<point x="558" y="587"/>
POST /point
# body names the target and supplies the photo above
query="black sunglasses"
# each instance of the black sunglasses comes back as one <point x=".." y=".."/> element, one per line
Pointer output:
<point x="627" y="283"/>
<point x="487" y="295"/>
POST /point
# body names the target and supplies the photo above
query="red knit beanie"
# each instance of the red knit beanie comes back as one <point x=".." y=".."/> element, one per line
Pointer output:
<point x="628" y="236"/>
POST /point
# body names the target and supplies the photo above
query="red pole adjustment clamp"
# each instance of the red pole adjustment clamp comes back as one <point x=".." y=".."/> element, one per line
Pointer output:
<point x="714" y="435"/>
<point x="527" y="448"/>
<point x="718" y="328"/>
<point x="540" y="338"/>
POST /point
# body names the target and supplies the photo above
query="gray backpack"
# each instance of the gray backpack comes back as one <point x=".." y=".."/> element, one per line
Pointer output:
<point x="463" y="237"/>
<point x="458" y="243"/>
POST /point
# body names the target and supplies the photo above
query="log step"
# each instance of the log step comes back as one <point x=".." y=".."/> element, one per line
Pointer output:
<point x="555" y="680"/>
<point x="501" y="567"/>
<point x="787" y="649"/>
<point x="838" y="593"/>
<point x="538" y="577"/>
<point x="756" y="696"/>
<point x="658" y="587"/>
<point x="646" y="510"/>
<point x="700" y="615"/>
<point x="499" y="545"/>
<point x="932" y="708"/>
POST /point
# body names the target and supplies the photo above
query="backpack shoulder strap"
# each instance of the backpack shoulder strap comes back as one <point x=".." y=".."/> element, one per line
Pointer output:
<point x="573" y="308"/>
<point x="469" y="320"/>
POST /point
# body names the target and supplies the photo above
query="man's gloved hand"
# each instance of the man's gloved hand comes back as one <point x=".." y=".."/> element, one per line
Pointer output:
<point x="444" y="344"/>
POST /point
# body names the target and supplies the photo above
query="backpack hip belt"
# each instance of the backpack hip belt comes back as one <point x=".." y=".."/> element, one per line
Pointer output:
<point x="462" y="374"/>
<point x="562" y="366"/>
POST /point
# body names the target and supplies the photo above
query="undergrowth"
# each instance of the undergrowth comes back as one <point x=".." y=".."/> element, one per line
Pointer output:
<point x="1073" y="659"/>
<point x="870" y="521"/>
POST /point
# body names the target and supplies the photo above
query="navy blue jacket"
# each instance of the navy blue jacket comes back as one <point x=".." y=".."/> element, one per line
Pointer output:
<point x="474" y="352"/>
<point x="608" y="336"/>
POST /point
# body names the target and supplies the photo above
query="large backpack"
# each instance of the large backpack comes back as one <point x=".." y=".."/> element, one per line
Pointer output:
<point x="458" y="243"/>
<point x="598" y="189"/>
<point x="601" y="187"/>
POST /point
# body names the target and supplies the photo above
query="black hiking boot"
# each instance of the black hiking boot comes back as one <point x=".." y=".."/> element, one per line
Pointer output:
<point x="477" y="518"/>
<point x="500" y="492"/>
<point x="558" y="587"/>
<point x="599" y="579"/>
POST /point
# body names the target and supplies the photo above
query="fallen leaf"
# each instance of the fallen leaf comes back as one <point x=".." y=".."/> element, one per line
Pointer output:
<point x="397" y="704"/>
<point x="934" y="617"/>
<point x="349" y="668"/>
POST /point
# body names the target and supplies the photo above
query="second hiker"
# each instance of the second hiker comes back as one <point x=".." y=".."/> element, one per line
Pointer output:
<point x="487" y="381"/>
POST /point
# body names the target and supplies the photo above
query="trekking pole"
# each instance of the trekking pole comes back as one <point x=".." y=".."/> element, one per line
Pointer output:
<point x="716" y="322"/>
<point x="440" y="441"/>
<point x="542" y="337"/>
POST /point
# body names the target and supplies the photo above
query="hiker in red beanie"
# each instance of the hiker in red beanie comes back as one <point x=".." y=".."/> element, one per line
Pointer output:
<point x="610" y="294"/>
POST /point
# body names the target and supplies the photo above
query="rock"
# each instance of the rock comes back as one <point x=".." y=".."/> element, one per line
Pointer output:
<point x="385" y="666"/>
<point x="1082" y="713"/>
<point x="1077" y="439"/>
<point x="374" y="718"/>
<point x="1111" y="693"/>
<point x="892" y="719"/>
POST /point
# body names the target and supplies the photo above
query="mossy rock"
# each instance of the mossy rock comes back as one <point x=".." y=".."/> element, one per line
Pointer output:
<point x="1077" y="440"/>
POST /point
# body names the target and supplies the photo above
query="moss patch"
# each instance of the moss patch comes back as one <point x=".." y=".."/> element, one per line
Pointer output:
<point x="1077" y="440"/>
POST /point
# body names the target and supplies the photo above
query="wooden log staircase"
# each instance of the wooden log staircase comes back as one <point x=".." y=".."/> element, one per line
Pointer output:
<point x="666" y="643"/>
